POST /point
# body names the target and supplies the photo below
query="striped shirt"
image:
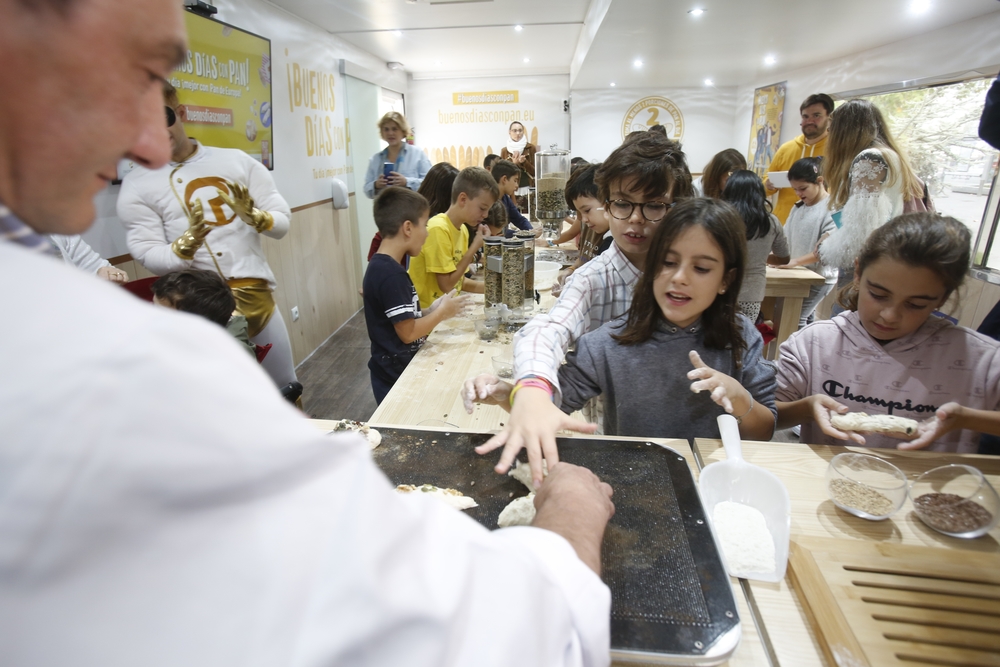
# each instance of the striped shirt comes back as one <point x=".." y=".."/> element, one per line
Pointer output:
<point x="15" y="231"/>
<point x="597" y="292"/>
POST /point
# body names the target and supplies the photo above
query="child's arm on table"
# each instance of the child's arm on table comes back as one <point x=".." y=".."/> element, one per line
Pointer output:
<point x="804" y="260"/>
<point x="756" y="419"/>
<point x="445" y="308"/>
<point x="539" y="349"/>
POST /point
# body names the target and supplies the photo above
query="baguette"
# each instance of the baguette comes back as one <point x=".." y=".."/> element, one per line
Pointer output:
<point x="866" y="423"/>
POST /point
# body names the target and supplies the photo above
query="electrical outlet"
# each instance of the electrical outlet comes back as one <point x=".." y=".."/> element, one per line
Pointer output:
<point x="295" y="313"/>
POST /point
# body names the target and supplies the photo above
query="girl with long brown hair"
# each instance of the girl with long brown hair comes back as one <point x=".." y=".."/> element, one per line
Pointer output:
<point x="868" y="176"/>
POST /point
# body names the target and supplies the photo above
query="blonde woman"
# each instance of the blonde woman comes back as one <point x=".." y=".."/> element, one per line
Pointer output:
<point x="869" y="179"/>
<point x="409" y="163"/>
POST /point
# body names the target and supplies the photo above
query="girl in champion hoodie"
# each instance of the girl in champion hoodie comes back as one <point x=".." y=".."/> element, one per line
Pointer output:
<point x="887" y="353"/>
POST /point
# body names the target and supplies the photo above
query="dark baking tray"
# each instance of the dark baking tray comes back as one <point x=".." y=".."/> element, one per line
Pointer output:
<point x="671" y="596"/>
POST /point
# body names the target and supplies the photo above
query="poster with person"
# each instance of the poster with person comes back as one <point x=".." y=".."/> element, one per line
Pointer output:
<point x="765" y="129"/>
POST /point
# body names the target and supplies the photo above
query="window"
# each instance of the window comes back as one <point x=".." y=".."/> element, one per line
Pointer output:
<point x="938" y="128"/>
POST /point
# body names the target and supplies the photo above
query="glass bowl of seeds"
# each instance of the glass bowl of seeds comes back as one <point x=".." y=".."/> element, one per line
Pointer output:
<point x="865" y="485"/>
<point x="955" y="500"/>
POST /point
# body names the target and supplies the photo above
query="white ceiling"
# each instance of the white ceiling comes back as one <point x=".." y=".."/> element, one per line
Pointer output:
<point x="728" y="43"/>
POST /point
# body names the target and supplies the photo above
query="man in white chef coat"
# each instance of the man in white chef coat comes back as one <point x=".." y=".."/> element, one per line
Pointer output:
<point x="159" y="503"/>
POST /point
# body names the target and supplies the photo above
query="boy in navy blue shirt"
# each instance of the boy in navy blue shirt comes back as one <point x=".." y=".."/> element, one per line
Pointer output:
<point x="507" y="176"/>
<point x="395" y="323"/>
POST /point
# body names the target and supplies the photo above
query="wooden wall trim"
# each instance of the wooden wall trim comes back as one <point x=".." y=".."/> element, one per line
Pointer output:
<point x="312" y="205"/>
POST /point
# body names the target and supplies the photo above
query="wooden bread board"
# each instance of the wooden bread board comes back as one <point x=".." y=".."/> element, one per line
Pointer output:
<point x="878" y="603"/>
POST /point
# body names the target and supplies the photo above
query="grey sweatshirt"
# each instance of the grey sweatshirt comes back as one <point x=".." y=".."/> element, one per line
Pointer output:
<point x="645" y="388"/>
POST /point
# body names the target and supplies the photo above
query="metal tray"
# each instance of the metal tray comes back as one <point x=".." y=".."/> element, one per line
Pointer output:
<point x="672" y="601"/>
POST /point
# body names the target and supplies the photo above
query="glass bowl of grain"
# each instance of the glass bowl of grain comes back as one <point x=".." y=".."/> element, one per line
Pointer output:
<point x="955" y="500"/>
<point x="865" y="485"/>
<point x="503" y="366"/>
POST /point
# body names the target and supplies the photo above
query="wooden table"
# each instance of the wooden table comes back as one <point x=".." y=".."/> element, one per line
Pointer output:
<point x="802" y="468"/>
<point x="783" y="296"/>
<point x="427" y="393"/>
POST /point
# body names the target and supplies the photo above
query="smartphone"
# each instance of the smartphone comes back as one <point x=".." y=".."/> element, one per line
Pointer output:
<point x="387" y="168"/>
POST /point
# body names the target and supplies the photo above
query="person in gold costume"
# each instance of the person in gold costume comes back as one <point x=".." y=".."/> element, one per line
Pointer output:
<point x="206" y="209"/>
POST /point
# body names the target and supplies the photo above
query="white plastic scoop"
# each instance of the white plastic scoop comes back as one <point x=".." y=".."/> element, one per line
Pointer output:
<point x="737" y="481"/>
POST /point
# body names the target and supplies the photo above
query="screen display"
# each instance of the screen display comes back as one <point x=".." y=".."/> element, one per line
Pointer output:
<point x="225" y="85"/>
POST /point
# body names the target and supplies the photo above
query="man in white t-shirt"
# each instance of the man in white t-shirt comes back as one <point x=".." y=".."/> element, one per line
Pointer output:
<point x="159" y="503"/>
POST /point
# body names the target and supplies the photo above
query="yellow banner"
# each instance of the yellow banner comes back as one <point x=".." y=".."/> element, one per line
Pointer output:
<point x="486" y="97"/>
<point x="225" y="84"/>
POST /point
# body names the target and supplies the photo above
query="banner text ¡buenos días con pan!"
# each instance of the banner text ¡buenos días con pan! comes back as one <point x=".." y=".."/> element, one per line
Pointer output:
<point x="212" y="67"/>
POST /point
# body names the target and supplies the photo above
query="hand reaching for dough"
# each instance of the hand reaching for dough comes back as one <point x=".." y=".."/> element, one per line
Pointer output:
<point x="187" y="244"/>
<point x="243" y="205"/>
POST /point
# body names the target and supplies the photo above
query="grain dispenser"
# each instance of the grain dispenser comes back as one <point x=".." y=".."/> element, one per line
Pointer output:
<point x="551" y="173"/>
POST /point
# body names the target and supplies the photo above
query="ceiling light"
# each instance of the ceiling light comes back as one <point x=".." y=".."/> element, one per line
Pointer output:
<point x="397" y="33"/>
<point x="696" y="12"/>
<point x="770" y="60"/>
<point x="637" y="63"/>
<point x="920" y="6"/>
<point x="527" y="60"/>
<point x="394" y="65"/>
<point x="612" y="84"/>
<point x="518" y="28"/>
<point x="708" y="82"/>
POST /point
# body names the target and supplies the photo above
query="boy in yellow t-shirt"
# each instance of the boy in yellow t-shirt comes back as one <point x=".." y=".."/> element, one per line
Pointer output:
<point x="440" y="267"/>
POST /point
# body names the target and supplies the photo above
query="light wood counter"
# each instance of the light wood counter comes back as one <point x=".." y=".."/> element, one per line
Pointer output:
<point x="802" y="469"/>
<point x="783" y="296"/>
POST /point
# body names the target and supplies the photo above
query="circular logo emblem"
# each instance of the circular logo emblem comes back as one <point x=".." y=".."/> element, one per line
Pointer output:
<point x="651" y="111"/>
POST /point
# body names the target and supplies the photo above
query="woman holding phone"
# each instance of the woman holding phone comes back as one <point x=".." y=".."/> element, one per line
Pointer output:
<point x="399" y="163"/>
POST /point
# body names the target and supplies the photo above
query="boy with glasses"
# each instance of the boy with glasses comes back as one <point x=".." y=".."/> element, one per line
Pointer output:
<point x="638" y="183"/>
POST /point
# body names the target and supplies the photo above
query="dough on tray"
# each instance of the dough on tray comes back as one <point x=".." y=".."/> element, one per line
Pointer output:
<point x="456" y="499"/>
<point x="519" y="512"/>
<point x="373" y="436"/>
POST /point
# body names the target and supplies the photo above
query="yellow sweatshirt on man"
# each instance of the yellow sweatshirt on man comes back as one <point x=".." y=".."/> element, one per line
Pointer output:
<point x="790" y="151"/>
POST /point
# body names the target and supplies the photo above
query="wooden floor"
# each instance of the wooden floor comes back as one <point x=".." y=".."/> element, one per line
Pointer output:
<point x="335" y="378"/>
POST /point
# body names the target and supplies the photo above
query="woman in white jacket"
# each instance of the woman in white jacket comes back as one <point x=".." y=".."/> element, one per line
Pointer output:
<point x="869" y="178"/>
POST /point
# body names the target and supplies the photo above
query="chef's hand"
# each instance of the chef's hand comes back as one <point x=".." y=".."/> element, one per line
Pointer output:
<point x="533" y="424"/>
<point x="187" y="244"/>
<point x="238" y="198"/>
<point x="486" y="389"/>
<point x="575" y="503"/>
<point x="823" y="407"/>
<point x="944" y="421"/>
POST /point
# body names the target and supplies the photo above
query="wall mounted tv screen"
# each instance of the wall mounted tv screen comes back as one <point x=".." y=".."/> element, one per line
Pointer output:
<point x="225" y="83"/>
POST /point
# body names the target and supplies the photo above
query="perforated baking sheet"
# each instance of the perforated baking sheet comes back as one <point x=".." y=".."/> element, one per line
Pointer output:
<point x="671" y="597"/>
